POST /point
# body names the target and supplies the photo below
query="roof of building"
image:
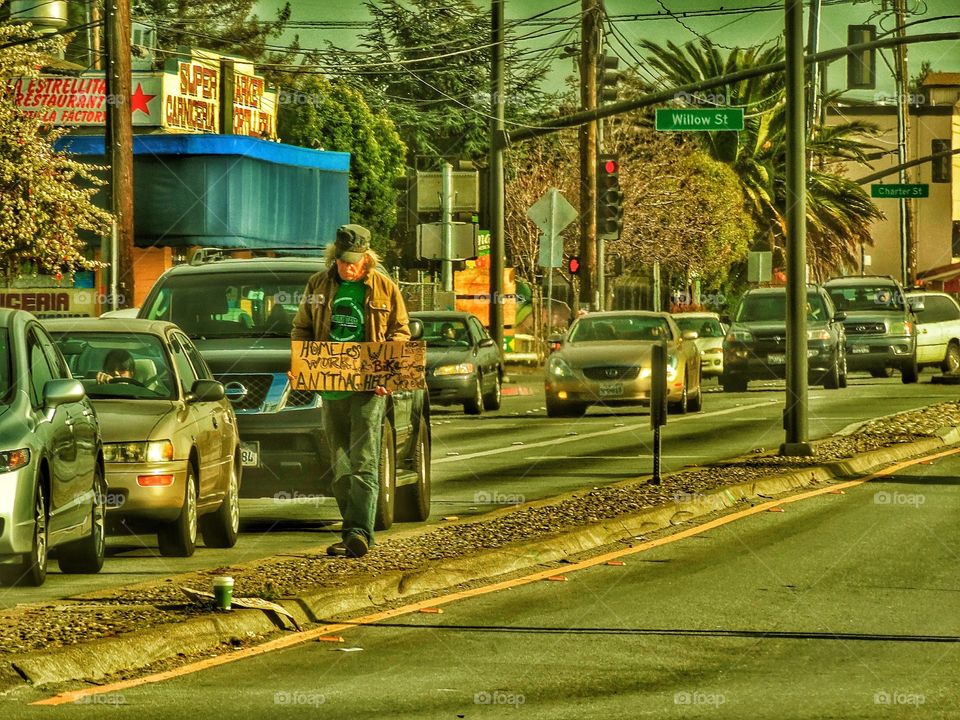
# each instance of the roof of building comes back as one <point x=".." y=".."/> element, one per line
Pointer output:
<point x="941" y="79"/>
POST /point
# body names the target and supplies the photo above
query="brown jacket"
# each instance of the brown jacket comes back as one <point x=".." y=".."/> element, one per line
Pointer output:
<point x="385" y="317"/>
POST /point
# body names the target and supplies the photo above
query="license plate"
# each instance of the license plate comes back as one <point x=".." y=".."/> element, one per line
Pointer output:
<point x="777" y="359"/>
<point x="860" y="349"/>
<point x="250" y="454"/>
<point x="611" y="390"/>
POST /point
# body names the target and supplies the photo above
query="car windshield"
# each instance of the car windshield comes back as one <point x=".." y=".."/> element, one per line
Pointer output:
<point x="626" y="327"/>
<point x="119" y="365"/>
<point x="221" y="305"/>
<point x="768" y="307"/>
<point x="703" y="327"/>
<point x="445" y="332"/>
<point x="862" y="297"/>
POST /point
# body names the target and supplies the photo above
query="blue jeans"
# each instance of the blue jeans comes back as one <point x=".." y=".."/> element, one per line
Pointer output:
<point x="352" y="426"/>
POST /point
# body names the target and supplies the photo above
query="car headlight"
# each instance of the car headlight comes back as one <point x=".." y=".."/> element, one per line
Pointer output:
<point x="644" y="373"/>
<point x="739" y="336"/>
<point x="11" y="460"/>
<point x="459" y="369"/>
<point x="558" y="367"/>
<point x="135" y="452"/>
<point x="822" y="334"/>
<point x="901" y="328"/>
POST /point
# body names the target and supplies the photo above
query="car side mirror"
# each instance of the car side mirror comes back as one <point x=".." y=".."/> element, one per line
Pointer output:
<point x="840" y="316"/>
<point x="61" y="392"/>
<point x="689" y="334"/>
<point x="487" y="342"/>
<point x="725" y="319"/>
<point x="205" y="391"/>
<point x="916" y="304"/>
<point x="416" y="329"/>
<point x="554" y="342"/>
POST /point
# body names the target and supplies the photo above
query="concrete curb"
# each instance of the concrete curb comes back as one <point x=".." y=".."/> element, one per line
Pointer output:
<point x="98" y="659"/>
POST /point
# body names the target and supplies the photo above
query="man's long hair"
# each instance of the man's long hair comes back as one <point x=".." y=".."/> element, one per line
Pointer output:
<point x="331" y="256"/>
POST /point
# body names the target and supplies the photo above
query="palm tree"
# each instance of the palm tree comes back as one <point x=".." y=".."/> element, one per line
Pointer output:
<point x="839" y="212"/>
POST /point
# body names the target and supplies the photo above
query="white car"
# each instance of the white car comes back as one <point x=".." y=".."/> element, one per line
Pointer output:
<point x="710" y="332"/>
<point x="938" y="330"/>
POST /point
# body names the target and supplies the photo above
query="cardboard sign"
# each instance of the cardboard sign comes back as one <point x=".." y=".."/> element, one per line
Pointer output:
<point x="358" y="366"/>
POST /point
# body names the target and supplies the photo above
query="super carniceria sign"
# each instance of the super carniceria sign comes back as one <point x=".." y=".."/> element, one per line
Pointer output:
<point x="185" y="97"/>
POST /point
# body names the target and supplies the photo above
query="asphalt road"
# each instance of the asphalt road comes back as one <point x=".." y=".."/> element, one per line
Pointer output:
<point x="518" y="454"/>
<point x="843" y="606"/>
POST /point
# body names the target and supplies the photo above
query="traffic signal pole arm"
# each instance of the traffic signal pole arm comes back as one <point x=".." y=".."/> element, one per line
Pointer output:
<point x="867" y="179"/>
<point x="577" y="119"/>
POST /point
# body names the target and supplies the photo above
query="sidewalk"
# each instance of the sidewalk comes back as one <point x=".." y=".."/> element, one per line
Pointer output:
<point x="90" y="638"/>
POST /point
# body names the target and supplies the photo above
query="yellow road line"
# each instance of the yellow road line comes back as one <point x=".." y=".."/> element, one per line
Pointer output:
<point x="288" y="641"/>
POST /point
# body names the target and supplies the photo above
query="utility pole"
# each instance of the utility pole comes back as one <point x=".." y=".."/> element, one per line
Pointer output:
<point x="795" y="413"/>
<point x="813" y="47"/>
<point x="119" y="143"/>
<point x="589" y="50"/>
<point x="498" y="142"/>
<point x="908" y="247"/>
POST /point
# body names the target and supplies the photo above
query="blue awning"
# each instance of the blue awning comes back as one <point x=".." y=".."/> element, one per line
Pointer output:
<point x="230" y="191"/>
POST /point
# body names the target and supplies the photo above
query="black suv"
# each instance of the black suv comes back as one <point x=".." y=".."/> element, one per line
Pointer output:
<point x="239" y="313"/>
<point x="755" y="347"/>
<point x="881" y="326"/>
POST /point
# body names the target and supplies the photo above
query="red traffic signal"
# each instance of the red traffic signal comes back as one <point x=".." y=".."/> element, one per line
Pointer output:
<point x="609" y="166"/>
<point x="573" y="265"/>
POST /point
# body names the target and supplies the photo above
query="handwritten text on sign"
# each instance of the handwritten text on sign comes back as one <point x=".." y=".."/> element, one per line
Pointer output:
<point x="396" y="365"/>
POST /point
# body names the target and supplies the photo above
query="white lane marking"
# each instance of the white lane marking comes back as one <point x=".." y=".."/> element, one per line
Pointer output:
<point x="599" y="433"/>
<point x="610" y="457"/>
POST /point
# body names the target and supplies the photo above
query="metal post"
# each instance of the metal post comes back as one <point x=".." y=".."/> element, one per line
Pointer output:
<point x="656" y="286"/>
<point x="589" y="50"/>
<point x="907" y="246"/>
<point x="657" y="447"/>
<point x="813" y="47"/>
<point x="114" y="262"/>
<point x="498" y="141"/>
<point x="549" y="279"/>
<point x="446" y="229"/>
<point x="795" y="414"/>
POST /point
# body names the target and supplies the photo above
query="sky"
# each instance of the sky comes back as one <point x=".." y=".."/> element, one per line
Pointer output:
<point x="680" y="21"/>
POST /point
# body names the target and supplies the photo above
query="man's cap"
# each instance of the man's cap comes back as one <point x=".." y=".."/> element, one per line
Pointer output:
<point x="352" y="244"/>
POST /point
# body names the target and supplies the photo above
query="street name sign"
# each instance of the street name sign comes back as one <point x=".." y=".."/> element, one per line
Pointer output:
<point x="694" y="119"/>
<point x="551" y="213"/>
<point x="893" y="190"/>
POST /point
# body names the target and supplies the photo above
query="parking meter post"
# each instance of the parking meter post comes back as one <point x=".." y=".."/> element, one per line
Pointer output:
<point x="658" y="401"/>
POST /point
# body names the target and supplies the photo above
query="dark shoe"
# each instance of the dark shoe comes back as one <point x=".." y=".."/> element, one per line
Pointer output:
<point x="337" y="550"/>
<point x="356" y="546"/>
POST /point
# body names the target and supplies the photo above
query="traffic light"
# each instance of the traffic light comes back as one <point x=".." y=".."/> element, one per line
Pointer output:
<point x="573" y="265"/>
<point x="607" y="78"/>
<point x="609" y="198"/>
<point x="861" y="66"/>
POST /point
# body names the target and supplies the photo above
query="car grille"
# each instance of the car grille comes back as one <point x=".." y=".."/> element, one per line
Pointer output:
<point x="771" y="342"/>
<point x="865" y="328"/>
<point x="301" y="398"/>
<point x="257" y="387"/>
<point x="611" y="373"/>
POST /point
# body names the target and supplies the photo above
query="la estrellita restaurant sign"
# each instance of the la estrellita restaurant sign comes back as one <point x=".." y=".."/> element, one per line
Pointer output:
<point x="185" y="97"/>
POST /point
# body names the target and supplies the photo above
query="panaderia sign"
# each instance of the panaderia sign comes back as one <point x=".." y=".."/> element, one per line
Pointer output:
<point x="187" y="100"/>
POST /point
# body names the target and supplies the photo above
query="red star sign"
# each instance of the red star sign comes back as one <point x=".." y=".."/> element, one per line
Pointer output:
<point x="139" y="100"/>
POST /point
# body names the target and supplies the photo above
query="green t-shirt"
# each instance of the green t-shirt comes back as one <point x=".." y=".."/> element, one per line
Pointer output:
<point x="346" y="322"/>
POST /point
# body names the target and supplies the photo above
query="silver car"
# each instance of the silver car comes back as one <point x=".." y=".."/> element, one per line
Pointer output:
<point x="51" y="462"/>
<point x="710" y="332"/>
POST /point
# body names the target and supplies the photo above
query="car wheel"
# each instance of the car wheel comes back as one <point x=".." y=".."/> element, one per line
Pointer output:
<point x="179" y="538"/>
<point x="733" y="383"/>
<point x="680" y="407"/>
<point x="951" y="363"/>
<point x="831" y="378"/>
<point x="32" y="568"/>
<point x="559" y="408"/>
<point x="387" y="479"/>
<point x="843" y="371"/>
<point x="221" y="528"/>
<point x="881" y="372"/>
<point x="492" y="400"/>
<point x="910" y="373"/>
<point x="413" y="501"/>
<point x="695" y="403"/>
<point x="474" y="406"/>
<point x="86" y="556"/>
